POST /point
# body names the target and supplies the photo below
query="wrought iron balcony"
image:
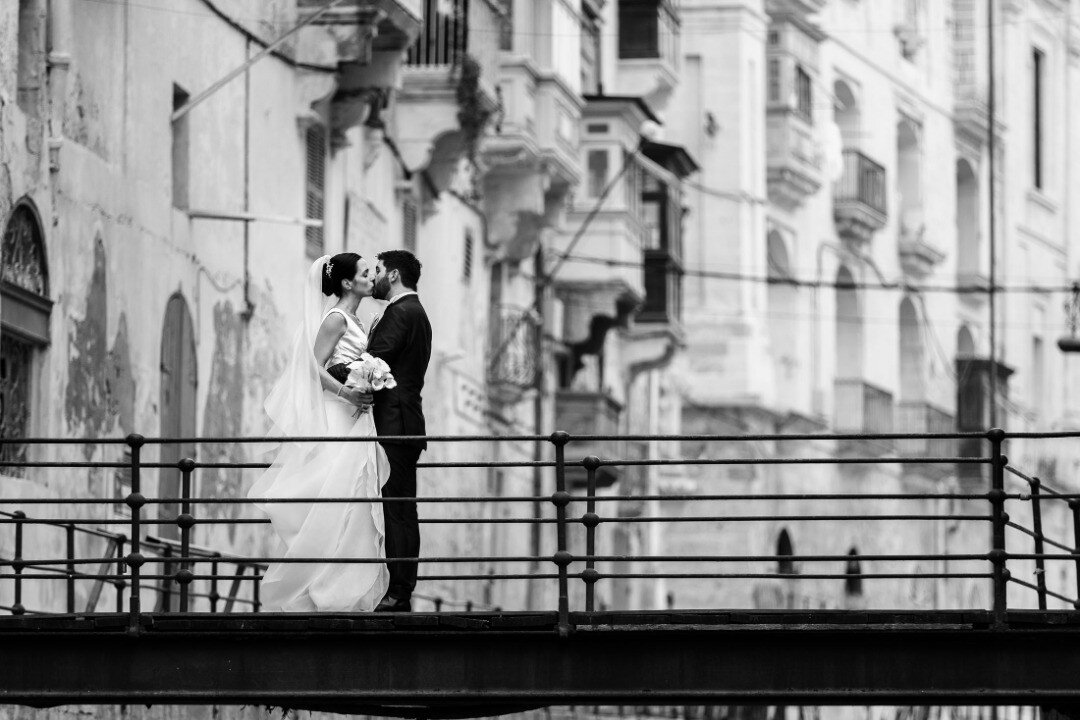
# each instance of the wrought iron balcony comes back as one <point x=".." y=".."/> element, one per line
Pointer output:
<point x="512" y="350"/>
<point x="923" y="418"/>
<point x="859" y="204"/>
<point x="444" y="34"/>
<point x="861" y="407"/>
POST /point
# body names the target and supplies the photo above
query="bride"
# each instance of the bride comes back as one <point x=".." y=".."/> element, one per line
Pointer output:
<point x="309" y="401"/>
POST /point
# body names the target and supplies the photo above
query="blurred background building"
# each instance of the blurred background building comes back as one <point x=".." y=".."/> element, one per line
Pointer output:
<point x="641" y="217"/>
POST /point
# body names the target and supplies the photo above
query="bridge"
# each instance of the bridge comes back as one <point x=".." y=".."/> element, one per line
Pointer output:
<point x="139" y="613"/>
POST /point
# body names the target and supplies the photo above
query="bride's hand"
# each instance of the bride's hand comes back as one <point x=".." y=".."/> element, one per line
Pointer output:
<point x="356" y="397"/>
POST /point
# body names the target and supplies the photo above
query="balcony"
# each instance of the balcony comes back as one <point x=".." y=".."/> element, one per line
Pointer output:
<point x="512" y="352"/>
<point x="859" y="206"/>
<point x="648" y="47"/>
<point x="448" y="93"/>
<point x="924" y="418"/>
<point x="918" y="256"/>
<point x="794" y="163"/>
<point x="860" y="407"/>
<point x="590" y="413"/>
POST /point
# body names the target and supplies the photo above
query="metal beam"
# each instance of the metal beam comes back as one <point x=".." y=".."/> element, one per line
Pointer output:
<point x="379" y="663"/>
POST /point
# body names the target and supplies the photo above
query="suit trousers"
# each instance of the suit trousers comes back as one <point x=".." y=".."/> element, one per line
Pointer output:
<point x="402" y="524"/>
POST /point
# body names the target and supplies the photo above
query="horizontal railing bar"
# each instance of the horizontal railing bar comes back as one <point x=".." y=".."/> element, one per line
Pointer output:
<point x="798" y="576"/>
<point x="1037" y="589"/>
<point x="1033" y="534"/>
<point x="529" y="498"/>
<point x="513" y="558"/>
<point x="64" y="523"/>
<point x="795" y="461"/>
<point x="531" y="520"/>
<point x="794" y="437"/>
<point x="542" y="463"/>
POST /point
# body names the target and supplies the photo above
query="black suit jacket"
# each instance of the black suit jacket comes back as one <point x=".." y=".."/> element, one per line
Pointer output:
<point x="402" y="338"/>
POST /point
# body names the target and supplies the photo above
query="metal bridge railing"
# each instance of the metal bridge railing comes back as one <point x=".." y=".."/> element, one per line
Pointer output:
<point x="172" y="567"/>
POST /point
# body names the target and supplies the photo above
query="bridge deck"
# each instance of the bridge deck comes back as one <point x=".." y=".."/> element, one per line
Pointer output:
<point x="443" y="665"/>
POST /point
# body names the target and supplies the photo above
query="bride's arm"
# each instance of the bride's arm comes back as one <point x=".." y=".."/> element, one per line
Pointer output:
<point x="330" y="332"/>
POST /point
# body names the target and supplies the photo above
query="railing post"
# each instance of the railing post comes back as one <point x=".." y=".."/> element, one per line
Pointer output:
<point x="1074" y="505"/>
<point x="590" y="520"/>
<point x="17" y="562"/>
<point x="134" y="559"/>
<point x="562" y="558"/>
<point x="70" y="530"/>
<point x="119" y="583"/>
<point x="185" y="520"/>
<point x="1036" y="521"/>
<point x="256" y="600"/>
<point x="999" y="520"/>
<point x="214" y="594"/>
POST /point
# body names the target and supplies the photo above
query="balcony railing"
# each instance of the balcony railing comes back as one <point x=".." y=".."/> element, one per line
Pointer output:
<point x="922" y="418"/>
<point x="862" y="407"/>
<point x="863" y="182"/>
<point x="512" y="348"/>
<point x="860" y="206"/>
<point x="444" y="34"/>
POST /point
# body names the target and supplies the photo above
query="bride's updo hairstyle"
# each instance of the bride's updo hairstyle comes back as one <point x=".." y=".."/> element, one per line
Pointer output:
<point x="340" y="267"/>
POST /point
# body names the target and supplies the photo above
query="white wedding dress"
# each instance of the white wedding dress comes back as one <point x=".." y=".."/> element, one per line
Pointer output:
<point x="300" y="407"/>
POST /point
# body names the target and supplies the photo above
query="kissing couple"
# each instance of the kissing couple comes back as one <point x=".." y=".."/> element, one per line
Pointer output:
<point x="316" y="396"/>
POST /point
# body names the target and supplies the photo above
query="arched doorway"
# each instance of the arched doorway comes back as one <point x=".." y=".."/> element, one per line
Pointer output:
<point x="968" y="229"/>
<point x="179" y="382"/>
<point x="785" y="550"/>
<point x="25" y="311"/>
<point x="846" y="113"/>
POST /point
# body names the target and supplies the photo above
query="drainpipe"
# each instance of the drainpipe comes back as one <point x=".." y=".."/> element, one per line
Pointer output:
<point x="58" y="61"/>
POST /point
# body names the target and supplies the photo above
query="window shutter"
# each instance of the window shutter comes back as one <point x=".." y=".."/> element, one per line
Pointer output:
<point x="316" y="187"/>
<point x="408" y="224"/>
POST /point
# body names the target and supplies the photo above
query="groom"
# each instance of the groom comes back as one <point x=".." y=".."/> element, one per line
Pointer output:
<point x="401" y="336"/>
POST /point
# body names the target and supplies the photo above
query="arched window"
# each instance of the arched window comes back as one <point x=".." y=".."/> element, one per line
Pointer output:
<point x="179" y="382"/>
<point x="783" y="321"/>
<point x="785" y="563"/>
<point x="849" y="330"/>
<point x="25" y="310"/>
<point x="909" y="179"/>
<point x="965" y="343"/>
<point x="853" y="574"/>
<point x="968" y="223"/>
<point x="912" y="355"/>
<point x="846" y="113"/>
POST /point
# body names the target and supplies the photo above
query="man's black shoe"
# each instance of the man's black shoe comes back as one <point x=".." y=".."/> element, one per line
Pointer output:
<point x="393" y="604"/>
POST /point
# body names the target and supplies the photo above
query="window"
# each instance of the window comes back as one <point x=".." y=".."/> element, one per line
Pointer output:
<point x="774" y="80"/>
<point x="647" y="29"/>
<point x="408" y="224"/>
<point x="1038" y="61"/>
<point x="597" y="164"/>
<point x="804" y="99"/>
<point x="1036" y="398"/>
<point x="785" y="564"/>
<point x="181" y="151"/>
<point x="30" y="70"/>
<point x="467" y="270"/>
<point x="24" y="324"/>
<point x="590" y="53"/>
<point x="316" y="188"/>
<point x="853" y="574"/>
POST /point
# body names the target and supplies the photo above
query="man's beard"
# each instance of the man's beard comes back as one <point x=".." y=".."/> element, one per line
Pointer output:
<point x="381" y="289"/>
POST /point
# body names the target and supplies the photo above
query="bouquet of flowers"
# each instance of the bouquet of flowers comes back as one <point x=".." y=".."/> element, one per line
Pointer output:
<point x="370" y="374"/>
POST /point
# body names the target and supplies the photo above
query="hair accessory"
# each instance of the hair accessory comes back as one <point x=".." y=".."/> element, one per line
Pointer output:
<point x="329" y="268"/>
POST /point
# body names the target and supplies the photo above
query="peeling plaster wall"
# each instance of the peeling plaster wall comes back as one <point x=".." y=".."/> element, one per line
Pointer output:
<point x="117" y="250"/>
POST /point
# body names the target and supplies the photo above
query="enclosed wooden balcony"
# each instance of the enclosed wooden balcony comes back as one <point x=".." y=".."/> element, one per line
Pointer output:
<point x="590" y="413"/>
